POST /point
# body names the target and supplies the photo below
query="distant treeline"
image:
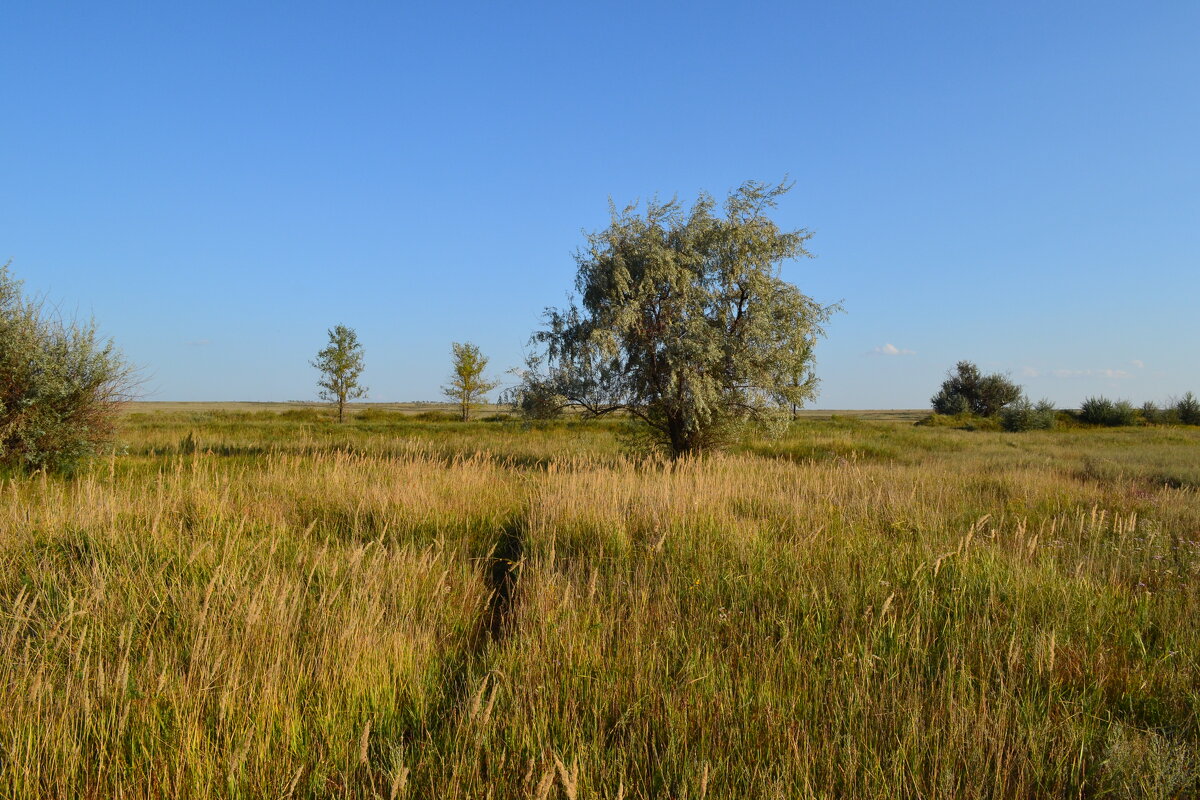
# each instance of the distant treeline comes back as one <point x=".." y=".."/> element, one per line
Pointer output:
<point x="969" y="399"/>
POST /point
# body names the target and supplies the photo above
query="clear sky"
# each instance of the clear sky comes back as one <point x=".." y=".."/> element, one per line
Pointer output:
<point x="217" y="183"/>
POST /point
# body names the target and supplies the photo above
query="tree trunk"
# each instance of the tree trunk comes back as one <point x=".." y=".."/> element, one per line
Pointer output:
<point x="680" y="441"/>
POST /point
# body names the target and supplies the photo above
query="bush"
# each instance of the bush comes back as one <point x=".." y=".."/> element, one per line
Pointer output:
<point x="534" y="400"/>
<point x="1022" y="415"/>
<point x="1102" y="411"/>
<point x="1187" y="409"/>
<point x="966" y="389"/>
<point x="950" y="404"/>
<point x="1096" y="410"/>
<point x="60" y="386"/>
<point x="1123" y="413"/>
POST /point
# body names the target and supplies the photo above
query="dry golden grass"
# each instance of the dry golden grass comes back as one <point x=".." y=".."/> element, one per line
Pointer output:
<point x="254" y="605"/>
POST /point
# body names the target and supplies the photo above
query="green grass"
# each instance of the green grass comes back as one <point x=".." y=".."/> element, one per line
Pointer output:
<point x="252" y="603"/>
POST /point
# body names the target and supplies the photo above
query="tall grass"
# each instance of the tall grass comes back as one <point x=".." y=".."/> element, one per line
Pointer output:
<point x="858" y="610"/>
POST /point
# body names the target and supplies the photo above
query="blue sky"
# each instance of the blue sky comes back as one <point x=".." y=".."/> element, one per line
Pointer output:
<point x="1017" y="184"/>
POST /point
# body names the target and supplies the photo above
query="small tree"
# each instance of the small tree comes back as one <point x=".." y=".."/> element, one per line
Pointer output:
<point x="61" y="386"/>
<point x="341" y="366"/>
<point x="468" y="385"/>
<point x="1022" y="415"/>
<point x="966" y="389"/>
<point x="685" y="324"/>
<point x="1187" y="409"/>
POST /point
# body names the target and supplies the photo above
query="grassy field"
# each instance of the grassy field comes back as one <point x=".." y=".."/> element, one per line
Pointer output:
<point x="255" y="602"/>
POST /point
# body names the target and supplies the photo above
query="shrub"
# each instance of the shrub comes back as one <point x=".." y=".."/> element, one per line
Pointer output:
<point x="61" y="386"/>
<point x="967" y="389"/>
<point x="1102" y="411"/>
<point x="950" y="404"/>
<point x="534" y="399"/>
<point x="1151" y="413"/>
<point x="1123" y="414"/>
<point x="1022" y="415"/>
<point x="541" y="402"/>
<point x="1096" y="410"/>
<point x="1187" y="409"/>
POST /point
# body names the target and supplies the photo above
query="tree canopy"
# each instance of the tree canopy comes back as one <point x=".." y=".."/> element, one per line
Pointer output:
<point x="683" y="321"/>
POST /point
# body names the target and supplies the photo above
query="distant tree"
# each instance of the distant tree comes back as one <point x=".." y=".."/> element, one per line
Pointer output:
<point x="467" y="385"/>
<point x="684" y="322"/>
<point x="341" y="366"/>
<point x="61" y="385"/>
<point x="967" y="390"/>
<point x="1187" y="409"/>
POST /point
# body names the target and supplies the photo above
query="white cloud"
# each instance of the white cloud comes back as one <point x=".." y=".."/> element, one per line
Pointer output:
<point x="1030" y="372"/>
<point x="1137" y="362"/>
<point x="890" y="349"/>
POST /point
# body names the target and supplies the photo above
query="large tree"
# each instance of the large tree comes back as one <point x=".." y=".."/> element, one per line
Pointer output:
<point x="341" y="366"/>
<point x="467" y="385"/>
<point x="683" y="322"/>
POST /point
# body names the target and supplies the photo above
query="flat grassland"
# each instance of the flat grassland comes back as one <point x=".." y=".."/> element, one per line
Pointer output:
<point x="261" y="603"/>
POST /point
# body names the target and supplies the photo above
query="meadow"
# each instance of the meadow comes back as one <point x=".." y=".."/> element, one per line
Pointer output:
<point x="255" y="602"/>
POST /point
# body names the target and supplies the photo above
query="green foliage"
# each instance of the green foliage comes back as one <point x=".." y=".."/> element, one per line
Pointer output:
<point x="467" y="385"/>
<point x="535" y="398"/>
<point x="1124" y="413"/>
<point x="61" y="386"/>
<point x="684" y="323"/>
<point x="1022" y="415"/>
<point x="1187" y="409"/>
<point x="341" y="366"/>
<point x="950" y="404"/>
<point x="1102" y="411"/>
<point x="967" y="389"/>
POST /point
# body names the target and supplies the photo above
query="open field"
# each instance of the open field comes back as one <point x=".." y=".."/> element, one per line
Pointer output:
<point x="259" y="604"/>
